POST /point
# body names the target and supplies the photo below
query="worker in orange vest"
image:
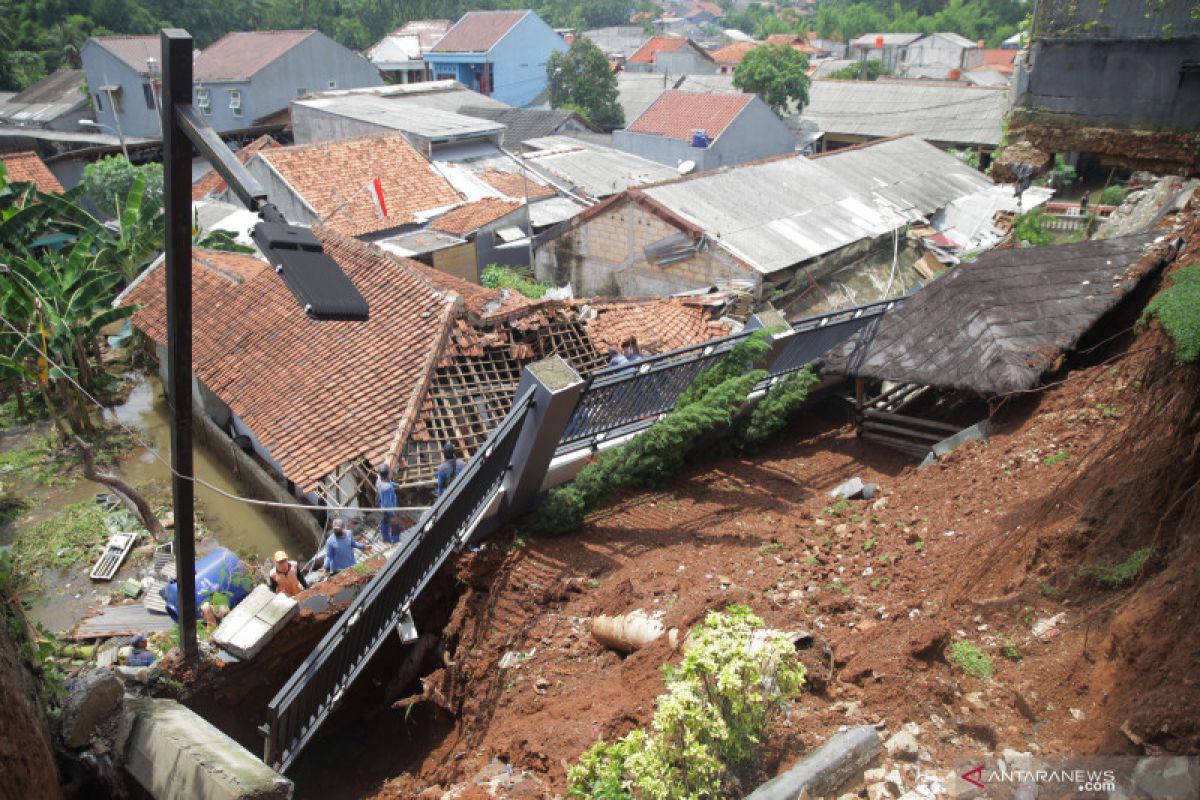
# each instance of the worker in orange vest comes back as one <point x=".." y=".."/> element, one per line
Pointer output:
<point x="286" y="577"/>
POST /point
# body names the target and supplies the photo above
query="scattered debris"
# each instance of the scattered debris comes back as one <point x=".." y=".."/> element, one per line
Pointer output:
<point x="1047" y="627"/>
<point x="628" y="632"/>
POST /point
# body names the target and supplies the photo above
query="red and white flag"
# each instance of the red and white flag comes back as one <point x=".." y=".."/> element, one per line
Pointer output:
<point x="376" y="189"/>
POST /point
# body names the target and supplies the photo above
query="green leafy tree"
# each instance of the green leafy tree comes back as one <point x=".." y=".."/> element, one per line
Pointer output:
<point x="107" y="182"/>
<point x="778" y="74"/>
<point x="581" y="77"/>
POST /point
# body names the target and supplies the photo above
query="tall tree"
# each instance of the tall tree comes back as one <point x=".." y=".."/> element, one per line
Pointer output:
<point x="778" y="73"/>
<point x="581" y="78"/>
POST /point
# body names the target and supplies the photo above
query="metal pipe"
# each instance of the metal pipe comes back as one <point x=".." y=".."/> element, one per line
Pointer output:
<point x="222" y="159"/>
<point x="177" y="186"/>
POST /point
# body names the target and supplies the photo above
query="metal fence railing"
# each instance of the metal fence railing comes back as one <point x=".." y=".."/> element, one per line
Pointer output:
<point x="316" y="688"/>
<point x="816" y="336"/>
<point x="625" y="397"/>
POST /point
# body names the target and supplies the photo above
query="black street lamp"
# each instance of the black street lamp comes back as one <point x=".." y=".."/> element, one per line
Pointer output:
<point x="318" y="283"/>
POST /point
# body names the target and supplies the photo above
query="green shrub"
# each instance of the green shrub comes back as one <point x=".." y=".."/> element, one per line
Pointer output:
<point x="774" y="410"/>
<point x="719" y="702"/>
<point x="971" y="660"/>
<point x="1031" y="227"/>
<point x="497" y="277"/>
<point x="1114" y="576"/>
<point x="69" y="539"/>
<point x="1113" y="195"/>
<point x="1178" y="309"/>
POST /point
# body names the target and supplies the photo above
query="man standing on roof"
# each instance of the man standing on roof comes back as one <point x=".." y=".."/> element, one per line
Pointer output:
<point x="286" y="577"/>
<point x="386" y="488"/>
<point x="448" y="469"/>
<point x="339" y="548"/>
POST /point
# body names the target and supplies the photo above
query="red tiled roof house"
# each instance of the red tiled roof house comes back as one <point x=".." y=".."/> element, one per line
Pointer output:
<point x="677" y="55"/>
<point x="708" y="130"/>
<point x="26" y="167"/>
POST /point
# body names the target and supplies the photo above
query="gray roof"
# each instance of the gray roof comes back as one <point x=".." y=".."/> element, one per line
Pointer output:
<point x="592" y="169"/>
<point x="712" y="84"/>
<point x="831" y="65"/>
<point x="781" y="212"/>
<point x="522" y="124"/>
<point x="987" y="77"/>
<point x="995" y="326"/>
<point x="47" y="100"/>
<point x="428" y="122"/>
<point x="551" y="211"/>
<point x="955" y="38"/>
<point x="889" y="39"/>
<point x="624" y="40"/>
<point x="941" y="113"/>
<point x="447" y="95"/>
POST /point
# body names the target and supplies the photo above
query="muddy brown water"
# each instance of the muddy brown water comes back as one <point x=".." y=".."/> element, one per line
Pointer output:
<point x="229" y="522"/>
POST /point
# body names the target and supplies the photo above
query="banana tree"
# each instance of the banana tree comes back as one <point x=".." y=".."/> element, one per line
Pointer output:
<point x="142" y="231"/>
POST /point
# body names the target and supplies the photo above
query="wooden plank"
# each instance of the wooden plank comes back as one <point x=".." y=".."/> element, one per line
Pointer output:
<point x="941" y="426"/>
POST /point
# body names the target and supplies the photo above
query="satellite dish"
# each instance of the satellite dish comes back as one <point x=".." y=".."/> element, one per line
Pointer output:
<point x="686" y="166"/>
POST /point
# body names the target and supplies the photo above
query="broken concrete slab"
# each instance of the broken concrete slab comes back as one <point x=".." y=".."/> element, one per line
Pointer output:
<point x="175" y="754"/>
<point x="834" y="765"/>
<point x="980" y="430"/>
<point x="254" y="622"/>
<point x="848" y="490"/>
<point x="96" y="695"/>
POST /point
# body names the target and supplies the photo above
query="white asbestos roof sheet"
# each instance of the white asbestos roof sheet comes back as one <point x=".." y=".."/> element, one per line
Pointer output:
<point x="776" y="214"/>
<point x="953" y="114"/>
<point x="552" y="211"/>
<point x="421" y="120"/>
<point x="593" y="169"/>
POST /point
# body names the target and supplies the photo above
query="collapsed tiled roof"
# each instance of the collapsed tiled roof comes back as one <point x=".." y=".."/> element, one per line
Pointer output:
<point x="326" y="174"/>
<point x="316" y="394"/>
<point x="26" y="167"/>
<point x="470" y="217"/>
<point x="995" y="326"/>
<point x="514" y="185"/>
<point x="676" y="114"/>
<point x="522" y="124"/>
<point x="211" y="183"/>
<point x="659" y="324"/>
<point x="237" y="56"/>
<point x="478" y="31"/>
<point x="647" y="53"/>
<point x="133" y="50"/>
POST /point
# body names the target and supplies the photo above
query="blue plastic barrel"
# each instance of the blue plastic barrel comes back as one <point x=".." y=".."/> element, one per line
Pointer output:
<point x="219" y="571"/>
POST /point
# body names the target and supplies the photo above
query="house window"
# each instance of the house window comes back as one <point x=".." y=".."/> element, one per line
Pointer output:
<point x="118" y="100"/>
<point x="203" y="102"/>
<point x="148" y="93"/>
<point x="301" y="92"/>
<point x="235" y="102"/>
<point x="99" y="99"/>
<point x="333" y="84"/>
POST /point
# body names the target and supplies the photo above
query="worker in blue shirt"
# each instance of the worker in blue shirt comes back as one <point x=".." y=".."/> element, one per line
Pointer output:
<point x="448" y="469"/>
<point x="140" y="656"/>
<point x="386" y="488"/>
<point x="339" y="548"/>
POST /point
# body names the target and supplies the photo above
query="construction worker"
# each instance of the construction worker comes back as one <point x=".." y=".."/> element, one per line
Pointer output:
<point x="140" y="656"/>
<point x="339" y="548"/>
<point x="389" y="527"/>
<point x="286" y="577"/>
<point x="448" y="470"/>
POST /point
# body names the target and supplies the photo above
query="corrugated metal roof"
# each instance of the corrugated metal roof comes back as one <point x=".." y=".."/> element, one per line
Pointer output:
<point x="889" y="39"/>
<point x="597" y="171"/>
<point x="448" y="95"/>
<point x="624" y="40"/>
<point x="552" y="211"/>
<point x="954" y="114"/>
<point x="778" y="213"/>
<point x="425" y="121"/>
<point x="47" y="100"/>
<point x="521" y="124"/>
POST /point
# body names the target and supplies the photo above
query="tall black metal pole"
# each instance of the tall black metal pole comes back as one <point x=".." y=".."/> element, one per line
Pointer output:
<point x="177" y="185"/>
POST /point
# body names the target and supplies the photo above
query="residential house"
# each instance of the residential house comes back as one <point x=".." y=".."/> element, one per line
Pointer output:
<point x="523" y="124"/>
<point x="400" y="55"/>
<point x="618" y="42"/>
<point x="889" y="48"/>
<point x="949" y="115"/>
<point x="123" y="78"/>
<point x="708" y="130"/>
<point x="729" y="56"/>
<point x="677" y="55"/>
<point x="438" y="362"/>
<point x="785" y="226"/>
<point x="941" y="56"/>
<point x="428" y="128"/>
<point x="244" y="77"/>
<point x="1114" y="79"/>
<point x="804" y="44"/>
<point x="501" y="54"/>
<point x="698" y="12"/>
<point x="494" y="231"/>
<point x="56" y="102"/>
<point x="590" y="171"/>
<point x="26" y="167"/>
<point x="326" y="183"/>
<point x="637" y="90"/>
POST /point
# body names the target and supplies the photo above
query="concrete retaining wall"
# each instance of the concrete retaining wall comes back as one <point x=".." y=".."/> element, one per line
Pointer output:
<point x="175" y="754"/>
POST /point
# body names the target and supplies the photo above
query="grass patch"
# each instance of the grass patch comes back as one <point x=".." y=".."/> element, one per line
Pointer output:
<point x="837" y="508"/>
<point x="1177" y="308"/>
<point x="920" y="544"/>
<point x="838" y="586"/>
<point x="1107" y="411"/>
<point x="868" y="545"/>
<point x="971" y="660"/>
<point x="73" y="538"/>
<point x="497" y="277"/>
<point x="1057" y="458"/>
<point x="1010" y="651"/>
<point x="1114" y="576"/>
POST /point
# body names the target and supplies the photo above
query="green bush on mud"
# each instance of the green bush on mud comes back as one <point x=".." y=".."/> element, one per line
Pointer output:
<point x="1178" y="309"/>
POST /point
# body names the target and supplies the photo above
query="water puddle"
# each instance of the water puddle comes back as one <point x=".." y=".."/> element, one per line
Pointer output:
<point x="229" y="522"/>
